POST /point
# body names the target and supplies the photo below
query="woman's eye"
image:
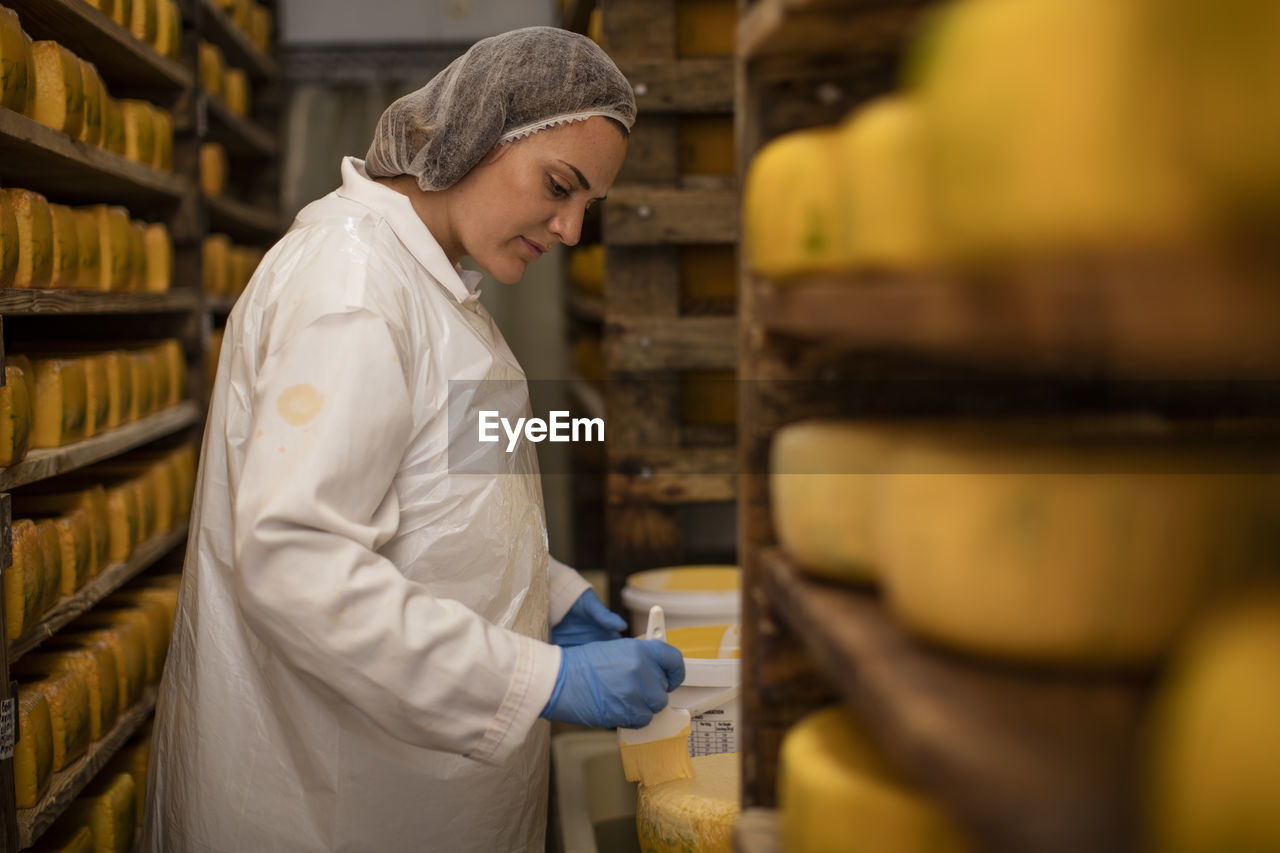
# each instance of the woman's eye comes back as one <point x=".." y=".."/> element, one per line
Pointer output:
<point x="558" y="190"/>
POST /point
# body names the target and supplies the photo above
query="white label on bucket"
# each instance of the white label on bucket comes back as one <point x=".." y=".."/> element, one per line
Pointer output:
<point x="711" y="733"/>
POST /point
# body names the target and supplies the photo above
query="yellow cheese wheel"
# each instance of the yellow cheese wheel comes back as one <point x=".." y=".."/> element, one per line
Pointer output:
<point x="35" y="238"/>
<point x="33" y="503"/>
<point x="705" y="145"/>
<point x="107" y="805"/>
<point x="33" y="751"/>
<point x="216" y="264"/>
<point x="137" y="255"/>
<point x="124" y="519"/>
<point x="127" y="646"/>
<point x="1031" y="152"/>
<point x="122" y="12"/>
<point x="90" y="244"/>
<point x="795" y="217"/>
<point x="159" y="257"/>
<point x="823" y="494"/>
<point x="119" y="387"/>
<point x="586" y="268"/>
<point x="143" y="366"/>
<point x="135" y="623"/>
<point x="139" y="130"/>
<point x="59" y="87"/>
<point x="65" y="271"/>
<point x="153" y="615"/>
<point x="68" y="696"/>
<point x="1072" y="550"/>
<point x="235" y="91"/>
<point x="210" y="65"/>
<point x="17" y="76"/>
<point x="51" y="552"/>
<point x="15" y="413"/>
<point x="171" y="355"/>
<point x="691" y="815"/>
<point x="705" y="27"/>
<point x="708" y="278"/>
<point x="836" y="792"/>
<point x="168" y="41"/>
<point x="61" y="401"/>
<point x="132" y="759"/>
<point x="113" y="133"/>
<point x="64" y="837"/>
<point x="8" y="241"/>
<point x="1213" y="770"/>
<point x="889" y="214"/>
<point x="97" y="391"/>
<point x="145" y="497"/>
<point x="95" y="94"/>
<point x="243" y="261"/>
<point x="163" y="121"/>
<point x="183" y="459"/>
<point x="107" y="7"/>
<point x="213" y="352"/>
<point x="142" y="21"/>
<point x="24" y="580"/>
<point x="213" y="169"/>
<point x="94" y="659"/>
<point x="113" y="246"/>
<point x="261" y="28"/>
<point x="75" y="546"/>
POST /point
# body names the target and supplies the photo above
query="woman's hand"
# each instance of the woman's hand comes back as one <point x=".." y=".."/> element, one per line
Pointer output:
<point x="588" y="621"/>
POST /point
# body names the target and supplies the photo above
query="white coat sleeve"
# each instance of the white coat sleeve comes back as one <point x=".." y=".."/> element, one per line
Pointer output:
<point x="331" y="422"/>
<point x="567" y="584"/>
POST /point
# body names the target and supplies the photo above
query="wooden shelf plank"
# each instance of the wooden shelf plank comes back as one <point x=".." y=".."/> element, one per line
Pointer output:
<point x="1027" y="761"/>
<point x="695" y="85"/>
<point x="70" y="781"/>
<point x="638" y="215"/>
<point x="657" y="343"/>
<point x="672" y="475"/>
<point x="39" y="158"/>
<point x="1142" y="318"/>
<point x="106" y="582"/>
<point x="220" y="304"/>
<point x="241" y="137"/>
<point x="241" y="221"/>
<point x="808" y="28"/>
<point x="236" y="46"/>
<point x="587" y="306"/>
<point x="39" y="464"/>
<point x="23" y="302"/>
<point x="122" y="59"/>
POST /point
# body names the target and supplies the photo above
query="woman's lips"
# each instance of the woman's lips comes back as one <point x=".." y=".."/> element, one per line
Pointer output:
<point x="533" y="247"/>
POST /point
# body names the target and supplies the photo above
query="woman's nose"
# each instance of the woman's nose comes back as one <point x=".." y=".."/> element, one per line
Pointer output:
<point x="567" y="226"/>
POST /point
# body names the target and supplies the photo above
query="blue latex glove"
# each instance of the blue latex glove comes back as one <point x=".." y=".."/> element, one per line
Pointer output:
<point x="614" y="683"/>
<point x="588" y="621"/>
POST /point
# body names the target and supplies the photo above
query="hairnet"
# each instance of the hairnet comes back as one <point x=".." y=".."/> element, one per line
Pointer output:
<point x="503" y="88"/>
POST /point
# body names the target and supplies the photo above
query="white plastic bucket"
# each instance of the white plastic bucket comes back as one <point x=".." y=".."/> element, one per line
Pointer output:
<point x="712" y="683"/>
<point x="689" y="595"/>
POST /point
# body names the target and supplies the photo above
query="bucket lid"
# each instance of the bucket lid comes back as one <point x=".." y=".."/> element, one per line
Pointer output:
<point x="688" y="579"/>
<point x="722" y="642"/>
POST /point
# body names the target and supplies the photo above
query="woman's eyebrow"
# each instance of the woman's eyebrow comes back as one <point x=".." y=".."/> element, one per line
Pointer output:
<point x="582" y="179"/>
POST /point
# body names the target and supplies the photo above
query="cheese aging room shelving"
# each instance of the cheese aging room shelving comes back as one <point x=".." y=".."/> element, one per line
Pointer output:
<point x="1023" y="760"/>
<point x="68" y="170"/>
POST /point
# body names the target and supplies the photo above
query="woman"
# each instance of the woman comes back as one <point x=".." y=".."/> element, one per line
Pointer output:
<point x="359" y="661"/>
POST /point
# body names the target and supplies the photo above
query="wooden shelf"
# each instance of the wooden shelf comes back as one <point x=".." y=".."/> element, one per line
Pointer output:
<point x="241" y="137"/>
<point x="673" y="475"/>
<point x="236" y="47"/>
<point x="695" y="85"/>
<point x="39" y="464"/>
<point x="240" y="221"/>
<point x="103" y="584"/>
<point x="809" y="28"/>
<point x="220" y="304"/>
<point x="586" y="306"/>
<point x="685" y="343"/>
<point x="124" y="61"/>
<point x="1026" y="761"/>
<point x="39" y="158"/>
<point x="23" y="302"/>
<point x="1144" y="318"/>
<point x="640" y="215"/>
<point x="70" y="781"/>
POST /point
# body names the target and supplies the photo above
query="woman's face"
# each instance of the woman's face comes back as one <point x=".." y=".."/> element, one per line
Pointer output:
<point x="532" y="193"/>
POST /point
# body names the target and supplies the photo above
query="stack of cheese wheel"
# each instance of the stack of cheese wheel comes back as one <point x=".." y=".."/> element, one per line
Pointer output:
<point x="108" y="807"/>
<point x="16" y="414"/>
<point x="1079" y="545"/>
<point x="156" y="22"/>
<point x="227" y="268"/>
<point x="98" y="247"/>
<point x="835" y="792"/>
<point x="253" y="19"/>
<point x="1213" y="770"/>
<point x="586" y="269"/>
<point x="691" y="815"/>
